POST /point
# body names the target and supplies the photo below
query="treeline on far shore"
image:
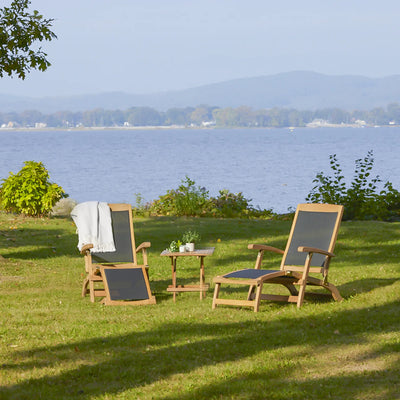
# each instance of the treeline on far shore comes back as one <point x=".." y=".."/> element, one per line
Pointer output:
<point x="202" y="115"/>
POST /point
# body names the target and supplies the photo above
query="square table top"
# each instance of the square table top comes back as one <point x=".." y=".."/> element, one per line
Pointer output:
<point x="197" y="252"/>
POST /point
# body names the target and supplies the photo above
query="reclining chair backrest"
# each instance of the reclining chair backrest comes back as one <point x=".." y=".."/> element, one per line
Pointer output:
<point x="314" y="225"/>
<point x="124" y="240"/>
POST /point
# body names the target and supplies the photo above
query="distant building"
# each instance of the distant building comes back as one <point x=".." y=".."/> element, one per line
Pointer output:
<point x="11" y="124"/>
<point x="317" y="123"/>
<point x="360" y="122"/>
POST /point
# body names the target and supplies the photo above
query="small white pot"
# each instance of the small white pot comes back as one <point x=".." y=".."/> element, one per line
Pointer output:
<point x="189" y="246"/>
<point x="182" y="248"/>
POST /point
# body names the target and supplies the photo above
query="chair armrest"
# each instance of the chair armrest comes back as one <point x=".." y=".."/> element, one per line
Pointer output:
<point x="143" y="246"/>
<point x="86" y="248"/>
<point x="305" y="249"/>
<point x="264" y="247"/>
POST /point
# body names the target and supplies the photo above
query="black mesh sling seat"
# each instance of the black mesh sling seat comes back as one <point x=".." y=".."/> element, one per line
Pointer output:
<point x="308" y="251"/>
<point x="124" y="257"/>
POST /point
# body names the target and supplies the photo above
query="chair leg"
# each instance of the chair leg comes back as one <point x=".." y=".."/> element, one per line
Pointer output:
<point x="257" y="298"/>
<point x="216" y="294"/>
<point x="85" y="287"/>
<point x="300" y="296"/>
<point x="303" y="281"/>
<point x="334" y="291"/>
<point x="250" y="294"/>
<point x="91" y="289"/>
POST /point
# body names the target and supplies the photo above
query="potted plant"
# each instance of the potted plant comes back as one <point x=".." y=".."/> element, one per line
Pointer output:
<point x="175" y="246"/>
<point x="190" y="238"/>
<point x="182" y="247"/>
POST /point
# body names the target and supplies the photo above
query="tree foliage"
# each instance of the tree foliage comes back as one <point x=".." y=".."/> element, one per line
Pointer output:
<point x="203" y="115"/>
<point x="20" y="30"/>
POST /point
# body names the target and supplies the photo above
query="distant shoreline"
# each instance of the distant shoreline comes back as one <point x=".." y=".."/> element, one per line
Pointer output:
<point x="161" y="127"/>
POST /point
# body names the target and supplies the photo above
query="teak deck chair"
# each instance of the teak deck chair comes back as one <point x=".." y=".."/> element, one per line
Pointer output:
<point x="125" y="257"/>
<point x="309" y="249"/>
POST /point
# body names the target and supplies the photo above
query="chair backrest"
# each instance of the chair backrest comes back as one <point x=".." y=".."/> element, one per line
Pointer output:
<point x="314" y="225"/>
<point x="124" y="238"/>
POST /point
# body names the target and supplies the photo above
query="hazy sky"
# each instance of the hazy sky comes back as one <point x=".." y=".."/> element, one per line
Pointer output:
<point x="144" y="46"/>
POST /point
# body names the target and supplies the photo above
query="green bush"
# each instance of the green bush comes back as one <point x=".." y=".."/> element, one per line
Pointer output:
<point x="235" y="205"/>
<point x="140" y="209"/>
<point x="192" y="200"/>
<point x="230" y="205"/>
<point x="29" y="191"/>
<point x="187" y="200"/>
<point x="361" y="200"/>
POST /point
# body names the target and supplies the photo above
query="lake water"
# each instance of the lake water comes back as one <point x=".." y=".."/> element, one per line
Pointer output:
<point x="273" y="167"/>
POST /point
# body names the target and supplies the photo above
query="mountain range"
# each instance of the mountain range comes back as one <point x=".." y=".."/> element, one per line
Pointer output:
<point x="302" y="90"/>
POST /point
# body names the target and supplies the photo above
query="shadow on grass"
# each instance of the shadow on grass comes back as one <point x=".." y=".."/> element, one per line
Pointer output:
<point x="365" y="285"/>
<point x="108" y="366"/>
<point x="30" y="243"/>
<point x="274" y="385"/>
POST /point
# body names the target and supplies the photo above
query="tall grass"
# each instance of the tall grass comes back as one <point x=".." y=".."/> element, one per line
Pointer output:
<point x="56" y="345"/>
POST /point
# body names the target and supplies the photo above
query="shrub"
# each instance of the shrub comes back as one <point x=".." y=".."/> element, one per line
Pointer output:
<point x="187" y="200"/>
<point x="192" y="200"/>
<point x="230" y="205"/>
<point x="140" y="209"/>
<point x="235" y="205"/>
<point x="29" y="191"/>
<point x="361" y="201"/>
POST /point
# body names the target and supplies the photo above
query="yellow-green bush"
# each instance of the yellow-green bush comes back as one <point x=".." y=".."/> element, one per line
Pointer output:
<point x="30" y="191"/>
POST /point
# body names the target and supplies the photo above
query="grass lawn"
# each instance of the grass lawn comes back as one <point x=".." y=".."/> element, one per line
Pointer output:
<point x="54" y="344"/>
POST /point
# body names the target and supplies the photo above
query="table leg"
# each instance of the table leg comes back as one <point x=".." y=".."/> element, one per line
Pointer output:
<point x="202" y="293"/>
<point x="173" y="265"/>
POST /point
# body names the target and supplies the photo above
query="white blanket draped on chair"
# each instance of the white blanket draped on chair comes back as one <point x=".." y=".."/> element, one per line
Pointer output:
<point x="93" y="222"/>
